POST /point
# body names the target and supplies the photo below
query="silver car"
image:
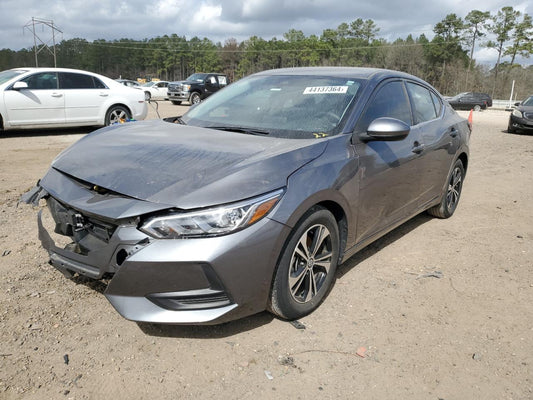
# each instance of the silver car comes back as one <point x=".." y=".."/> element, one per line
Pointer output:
<point x="251" y="199"/>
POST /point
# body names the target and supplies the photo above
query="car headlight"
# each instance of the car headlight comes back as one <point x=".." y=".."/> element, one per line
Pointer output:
<point x="186" y="88"/>
<point x="213" y="221"/>
<point x="517" y="113"/>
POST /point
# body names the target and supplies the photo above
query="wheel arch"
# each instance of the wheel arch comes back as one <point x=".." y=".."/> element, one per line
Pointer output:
<point x="342" y="223"/>
<point x="117" y="104"/>
<point x="464" y="159"/>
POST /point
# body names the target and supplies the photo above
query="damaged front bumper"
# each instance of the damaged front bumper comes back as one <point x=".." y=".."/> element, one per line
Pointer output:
<point x="180" y="281"/>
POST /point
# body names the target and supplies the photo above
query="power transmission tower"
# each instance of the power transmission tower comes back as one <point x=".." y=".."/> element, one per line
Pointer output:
<point x="43" y="44"/>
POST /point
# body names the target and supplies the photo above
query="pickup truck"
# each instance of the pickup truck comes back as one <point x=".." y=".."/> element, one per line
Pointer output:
<point x="196" y="87"/>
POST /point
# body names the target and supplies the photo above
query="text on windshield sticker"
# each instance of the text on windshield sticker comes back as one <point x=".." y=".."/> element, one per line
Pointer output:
<point x="326" y="89"/>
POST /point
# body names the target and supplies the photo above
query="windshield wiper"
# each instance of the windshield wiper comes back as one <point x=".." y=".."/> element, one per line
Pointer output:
<point x="240" y="129"/>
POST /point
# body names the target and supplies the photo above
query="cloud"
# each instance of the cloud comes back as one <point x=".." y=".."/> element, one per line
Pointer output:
<point x="220" y="20"/>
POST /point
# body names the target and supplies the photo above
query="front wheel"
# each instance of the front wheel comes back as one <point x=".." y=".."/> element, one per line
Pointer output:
<point x="449" y="201"/>
<point x="116" y="114"/>
<point x="307" y="266"/>
<point x="195" y="98"/>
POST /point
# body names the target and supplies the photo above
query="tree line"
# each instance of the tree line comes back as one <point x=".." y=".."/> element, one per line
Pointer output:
<point x="446" y="61"/>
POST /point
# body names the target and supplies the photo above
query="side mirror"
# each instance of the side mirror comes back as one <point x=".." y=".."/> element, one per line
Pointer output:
<point x="19" y="85"/>
<point x="386" y="129"/>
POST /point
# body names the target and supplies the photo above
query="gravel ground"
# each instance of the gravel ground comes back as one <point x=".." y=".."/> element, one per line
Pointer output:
<point x="437" y="309"/>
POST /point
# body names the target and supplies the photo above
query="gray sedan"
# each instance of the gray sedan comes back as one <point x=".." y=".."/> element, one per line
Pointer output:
<point x="251" y="199"/>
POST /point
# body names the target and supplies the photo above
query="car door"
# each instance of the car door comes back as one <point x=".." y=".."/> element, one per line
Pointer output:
<point x="211" y="85"/>
<point x="159" y="90"/>
<point x="389" y="170"/>
<point x="84" y="97"/>
<point x="439" y="138"/>
<point x="40" y="104"/>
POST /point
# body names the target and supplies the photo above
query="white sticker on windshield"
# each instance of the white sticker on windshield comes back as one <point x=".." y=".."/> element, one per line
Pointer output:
<point x="326" y="89"/>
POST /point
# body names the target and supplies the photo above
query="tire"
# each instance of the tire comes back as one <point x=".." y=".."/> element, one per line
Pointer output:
<point x="175" y="102"/>
<point x="510" y="129"/>
<point x="306" y="268"/>
<point x="147" y="96"/>
<point x="195" y="98"/>
<point x="477" y="107"/>
<point x="115" y="114"/>
<point x="449" y="201"/>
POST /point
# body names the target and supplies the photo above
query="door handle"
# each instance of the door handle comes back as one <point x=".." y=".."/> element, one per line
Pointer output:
<point x="103" y="94"/>
<point x="57" y="94"/>
<point x="418" y="148"/>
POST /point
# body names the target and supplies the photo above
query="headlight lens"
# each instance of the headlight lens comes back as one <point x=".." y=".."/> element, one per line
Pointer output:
<point x="517" y="113"/>
<point x="213" y="221"/>
<point x="186" y="88"/>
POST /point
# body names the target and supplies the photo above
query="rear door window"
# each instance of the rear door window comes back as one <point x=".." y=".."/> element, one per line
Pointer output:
<point x="70" y="80"/>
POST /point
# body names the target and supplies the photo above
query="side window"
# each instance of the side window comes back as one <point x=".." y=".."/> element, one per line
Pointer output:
<point x="390" y="101"/>
<point x="437" y="102"/>
<point x="70" y="80"/>
<point x="98" y="84"/>
<point x="42" y="81"/>
<point x="222" y="80"/>
<point x="422" y="103"/>
<point x="75" y="81"/>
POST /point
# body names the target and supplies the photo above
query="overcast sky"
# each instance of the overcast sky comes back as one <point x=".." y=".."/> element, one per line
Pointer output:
<point x="219" y="20"/>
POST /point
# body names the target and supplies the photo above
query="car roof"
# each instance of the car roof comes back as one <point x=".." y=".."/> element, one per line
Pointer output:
<point x="353" y="72"/>
<point x="37" y="69"/>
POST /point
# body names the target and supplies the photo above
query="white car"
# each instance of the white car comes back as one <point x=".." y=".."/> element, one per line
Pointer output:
<point x="60" y="97"/>
<point x="155" y="90"/>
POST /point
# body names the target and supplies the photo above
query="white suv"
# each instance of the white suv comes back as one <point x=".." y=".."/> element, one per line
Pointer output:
<point x="60" y="97"/>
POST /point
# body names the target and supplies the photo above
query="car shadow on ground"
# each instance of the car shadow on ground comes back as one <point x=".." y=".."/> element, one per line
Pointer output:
<point x="381" y="243"/>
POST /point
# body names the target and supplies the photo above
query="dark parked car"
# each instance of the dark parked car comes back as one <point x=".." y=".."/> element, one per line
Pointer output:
<point x="251" y="199"/>
<point x="471" y="100"/>
<point x="521" y="119"/>
<point x="196" y="87"/>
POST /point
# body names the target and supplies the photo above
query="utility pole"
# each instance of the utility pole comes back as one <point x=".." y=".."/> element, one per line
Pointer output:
<point x="37" y="48"/>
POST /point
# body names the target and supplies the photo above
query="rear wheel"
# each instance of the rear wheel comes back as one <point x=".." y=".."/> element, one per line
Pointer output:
<point x="449" y="201"/>
<point x="307" y="266"/>
<point x="116" y="114"/>
<point x="477" y="107"/>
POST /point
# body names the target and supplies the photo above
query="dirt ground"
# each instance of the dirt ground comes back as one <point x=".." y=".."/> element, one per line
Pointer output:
<point x="437" y="309"/>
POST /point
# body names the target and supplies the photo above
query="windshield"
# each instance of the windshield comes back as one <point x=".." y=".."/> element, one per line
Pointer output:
<point x="528" y="101"/>
<point x="289" y="106"/>
<point x="196" y="77"/>
<point x="10" y="74"/>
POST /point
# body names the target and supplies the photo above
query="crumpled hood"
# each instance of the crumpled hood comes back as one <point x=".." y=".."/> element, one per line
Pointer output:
<point x="184" y="166"/>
